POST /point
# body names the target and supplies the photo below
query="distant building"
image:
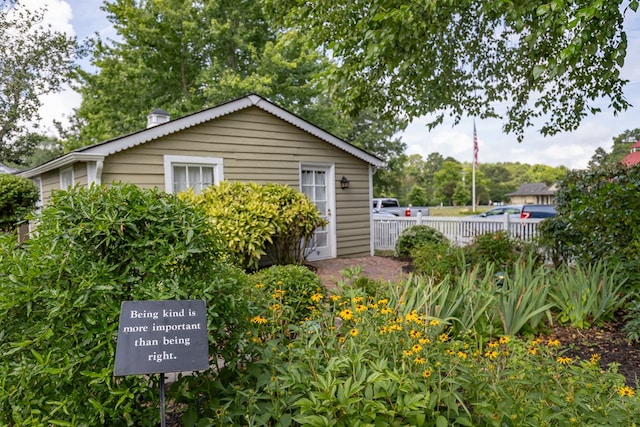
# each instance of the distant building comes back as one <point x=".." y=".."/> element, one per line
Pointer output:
<point x="537" y="193"/>
<point x="634" y="156"/>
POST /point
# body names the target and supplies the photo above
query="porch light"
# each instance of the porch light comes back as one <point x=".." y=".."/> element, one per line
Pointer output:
<point x="344" y="183"/>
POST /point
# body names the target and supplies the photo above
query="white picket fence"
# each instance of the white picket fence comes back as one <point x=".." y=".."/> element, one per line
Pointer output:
<point x="460" y="230"/>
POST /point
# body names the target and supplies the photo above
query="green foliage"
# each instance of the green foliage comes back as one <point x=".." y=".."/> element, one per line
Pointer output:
<point x="632" y="319"/>
<point x="386" y="359"/>
<point x="289" y="290"/>
<point x="259" y="220"/>
<point x="61" y="293"/>
<point x="18" y="197"/>
<point x="587" y="294"/>
<point x="516" y="62"/>
<point x="600" y="211"/>
<point x="437" y="260"/>
<point x="36" y="61"/>
<point x="500" y="249"/>
<point x="417" y="236"/>
<point x="522" y="299"/>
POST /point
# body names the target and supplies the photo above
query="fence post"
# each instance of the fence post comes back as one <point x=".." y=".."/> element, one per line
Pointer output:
<point x="505" y="222"/>
<point x="419" y="218"/>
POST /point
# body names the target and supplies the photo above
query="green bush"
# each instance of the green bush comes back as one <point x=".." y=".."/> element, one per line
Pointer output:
<point x="61" y="295"/>
<point x="18" y="197"/>
<point x="501" y="250"/>
<point x="601" y="212"/>
<point x="437" y="260"/>
<point x="417" y="236"/>
<point x="259" y="220"/>
<point x="292" y="290"/>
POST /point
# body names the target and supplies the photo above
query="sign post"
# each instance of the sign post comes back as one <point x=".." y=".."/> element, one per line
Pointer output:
<point x="160" y="337"/>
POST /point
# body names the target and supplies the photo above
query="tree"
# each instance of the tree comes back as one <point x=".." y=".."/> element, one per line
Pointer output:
<point x="537" y="59"/>
<point x="621" y="147"/>
<point x="18" y="197"/>
<point x="34" y="61"/>
<point x="447" y="179"/>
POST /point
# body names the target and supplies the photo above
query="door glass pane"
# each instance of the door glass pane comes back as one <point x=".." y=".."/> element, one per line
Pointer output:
<point x="321" y="178"/>
<point x="322" y="207"/>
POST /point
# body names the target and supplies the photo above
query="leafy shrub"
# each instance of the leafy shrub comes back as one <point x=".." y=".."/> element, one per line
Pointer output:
<point x="500" y="249"/>
<point x="437" y="260"/>
<point x="61" y="295"/>
<point x="292" y="290"/>
<point x="601" y="212"/>
<point x="417" y="236"/>
<point x="18" y="197"/>
<point x="258" y="220"/>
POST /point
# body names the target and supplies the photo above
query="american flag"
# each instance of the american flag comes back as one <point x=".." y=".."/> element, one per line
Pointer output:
<point x="475" y="145"/>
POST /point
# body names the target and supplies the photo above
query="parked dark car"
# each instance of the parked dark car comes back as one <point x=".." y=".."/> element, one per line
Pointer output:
<point x="537" y="211"/>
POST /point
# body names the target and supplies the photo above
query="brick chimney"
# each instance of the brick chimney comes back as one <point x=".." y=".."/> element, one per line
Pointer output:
<point x="157" y="117"/>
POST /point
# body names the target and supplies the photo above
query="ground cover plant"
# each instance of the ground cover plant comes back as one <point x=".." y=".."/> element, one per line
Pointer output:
<point x="387" y="359"/>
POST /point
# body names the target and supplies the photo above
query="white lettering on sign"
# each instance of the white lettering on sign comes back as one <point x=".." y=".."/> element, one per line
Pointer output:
<point x="144" y="314"/>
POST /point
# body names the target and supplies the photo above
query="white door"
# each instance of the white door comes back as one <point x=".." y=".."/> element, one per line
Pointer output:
<point x="315" y="183"/>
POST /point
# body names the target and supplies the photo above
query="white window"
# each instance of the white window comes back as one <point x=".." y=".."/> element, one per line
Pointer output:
<point x="38" y="182"/>
<point x="183" y="172"/>
<point x="66" y="178"/>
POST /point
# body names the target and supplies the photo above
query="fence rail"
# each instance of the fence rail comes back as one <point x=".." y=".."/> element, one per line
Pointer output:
<point x="459" y="230"/>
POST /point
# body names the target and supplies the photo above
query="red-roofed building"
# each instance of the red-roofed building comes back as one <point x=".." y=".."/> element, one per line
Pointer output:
<point x="634" y="156"/>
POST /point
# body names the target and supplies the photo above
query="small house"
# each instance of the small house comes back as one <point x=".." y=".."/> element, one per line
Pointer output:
<point x="533" y="193"/>
<point x="248" y="139"/>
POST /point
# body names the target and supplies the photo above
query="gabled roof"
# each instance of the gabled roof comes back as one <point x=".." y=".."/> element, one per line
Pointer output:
<point x="533" y="189"/>
<point x="6" y="169"/>
<point x="634" y="156"/>
<point x="103" y="149"/>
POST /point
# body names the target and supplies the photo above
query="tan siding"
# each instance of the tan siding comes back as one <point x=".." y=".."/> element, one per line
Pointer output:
<point x="255" y="146"/>
<point x="80" y="174"/>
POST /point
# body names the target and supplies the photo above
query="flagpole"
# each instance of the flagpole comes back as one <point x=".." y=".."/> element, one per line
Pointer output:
<point x="473" y="169"/>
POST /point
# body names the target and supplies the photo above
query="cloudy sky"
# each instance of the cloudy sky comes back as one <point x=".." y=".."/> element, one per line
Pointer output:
<point x="83" y="18"/>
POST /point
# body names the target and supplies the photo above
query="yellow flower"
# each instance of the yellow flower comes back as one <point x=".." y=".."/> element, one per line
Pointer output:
<point x="341" y="339"/>
<point x="384" y="330"/>
<point x="434" y="322"/>
<point x="416" y="348"/>
<point x="426" y="373"/>
<point x="353" y="332"/>
<point x="357" y="299"/>
<point x="275" y="307"/>
<point x="533" y="350"/>
<point x="491" y="354"/>
<point x="259" y="285"/>
<point x="383" y="301"/>
<point x="317" y="297"/>
<point x="386" y="310"/>
<point x="424" y="341"/>
<point x="360" y="308"/>
<point x="407" y="353"/>
<point x="335" y="298"/>
<point x="419" y="360"/>
<point x="259" y="320"/>
<point x="412" y="317"/>
<point x="563" y="360"/>
<point x="553" y="343"/>
<point x="450" y="352"/>
<point x="395" y="327"/>
<point x="626" y="391"/>
<point x="492" y="344"/>
<point x="278" y="293"/>
<point x="595" y="358"/>
<point x="414" y="334"/>
<point x="462" y="354"/>
<point x="443" y="337"/>
<point x="346" y="314"/>
<point x="504" y="340"/>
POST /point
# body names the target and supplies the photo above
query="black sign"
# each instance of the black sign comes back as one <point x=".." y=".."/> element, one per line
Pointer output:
<point x="162" y="336"/>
